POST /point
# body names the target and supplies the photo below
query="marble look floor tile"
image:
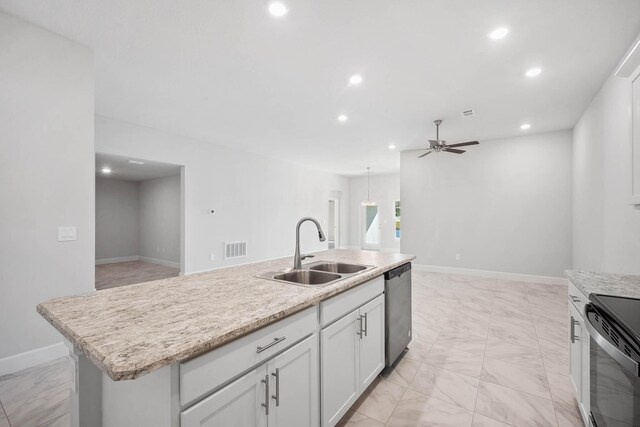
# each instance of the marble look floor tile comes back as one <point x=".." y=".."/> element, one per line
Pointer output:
<point x="37" y="395"/>
<point x="4" y="421"/>
<point x="514" y="407"/>
<point x="462" y="362"/>
<point x="531" y="380"/>
<point x="126" y="273"/>
<point x="446" y="385"/>
<point x="471" y="344"/>
<point x="557" y="363"/>
<point x="561" y="388"/>
<point x="482" y="421"/>
<point x="568" y="414"/>
<point x="418" y="349"/>
<point x="356" y="419"/>
<point x="380" y="402"/>
<point x="416" y="410"/>
<point x="505" y="351"/>
<point x="403" y="371"/>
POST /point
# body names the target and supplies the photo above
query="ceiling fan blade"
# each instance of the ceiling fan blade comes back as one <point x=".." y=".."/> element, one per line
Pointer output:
<point x="462" y="144"/>
<point x="453" y="150"/>
<point x="428" y="152"/>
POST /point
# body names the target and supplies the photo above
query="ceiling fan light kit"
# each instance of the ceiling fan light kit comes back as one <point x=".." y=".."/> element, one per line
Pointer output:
<point x="437" y="145"/>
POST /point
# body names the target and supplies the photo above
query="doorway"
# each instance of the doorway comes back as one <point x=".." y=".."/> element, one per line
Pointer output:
<point x="333" y="226"/>
<point x="138" y="221"/>
<point x="369" y="226"/>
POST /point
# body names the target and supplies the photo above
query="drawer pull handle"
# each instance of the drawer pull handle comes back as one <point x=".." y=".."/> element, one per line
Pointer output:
<point x="277" y="395"/>
<point x="574" y="338"/>
<point x="271" y="344"/>
<point x="265" y="405"/>
<point x="366" y="324"/>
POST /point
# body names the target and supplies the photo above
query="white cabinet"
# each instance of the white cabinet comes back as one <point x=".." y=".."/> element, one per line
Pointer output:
<point x="294" y="387"/>
<point x="282" y="392"/>
<point x="340" y="346"/>
<point x="237" y="404"/>
<point x="371" y="341"/>
<point x="352" y="355"/>
<point x="579" y="344"/>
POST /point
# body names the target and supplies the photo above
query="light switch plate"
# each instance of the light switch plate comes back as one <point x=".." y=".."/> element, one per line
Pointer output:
<point x="67" y="234"/>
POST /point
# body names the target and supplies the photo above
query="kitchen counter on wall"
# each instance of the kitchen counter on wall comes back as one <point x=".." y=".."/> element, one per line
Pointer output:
<point x="136" y="329"/>
<point x="620" y="285"/>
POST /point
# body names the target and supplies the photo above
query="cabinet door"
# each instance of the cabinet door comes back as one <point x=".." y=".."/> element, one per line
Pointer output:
<point x="575" y="350"/>
<point x="238" y="404"/>
<point x="371" y="341"/>
<point x="295" y="386"/>
<point x="339" y="367"/>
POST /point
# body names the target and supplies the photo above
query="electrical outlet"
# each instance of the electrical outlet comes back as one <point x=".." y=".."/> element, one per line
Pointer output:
<point x="457" y="257"/>
<point x="212" y="257"/>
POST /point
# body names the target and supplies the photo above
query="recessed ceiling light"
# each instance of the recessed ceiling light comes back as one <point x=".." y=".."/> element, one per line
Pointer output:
<point x="392" y="147"/>
<point x="105" y="171"/>
<point x="136" y="162"/>
<point x="342" y="118"/>
<point x="498" y="33"/>
<point x="525" y="126"/>
<point x="533" y="72"/>
<point x="278" y="9"/>
<point x="356" y="79"/>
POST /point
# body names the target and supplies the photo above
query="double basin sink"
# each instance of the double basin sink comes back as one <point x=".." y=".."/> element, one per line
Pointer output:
<point x="316" y="274"/>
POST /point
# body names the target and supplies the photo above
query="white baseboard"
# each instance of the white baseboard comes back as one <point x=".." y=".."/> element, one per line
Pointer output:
<point x="28" y="359"/>
<point x="160" y="262"/>
<point x="547" y="280"/>
<point x="117" y="259"/>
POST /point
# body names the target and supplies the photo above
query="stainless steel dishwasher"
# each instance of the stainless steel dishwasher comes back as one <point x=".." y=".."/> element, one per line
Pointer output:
<point x="397" y="289"/>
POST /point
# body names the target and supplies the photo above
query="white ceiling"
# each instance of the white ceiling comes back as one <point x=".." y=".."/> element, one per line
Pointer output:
<point x="229" y="73"/>
<point x="122" y="169"/>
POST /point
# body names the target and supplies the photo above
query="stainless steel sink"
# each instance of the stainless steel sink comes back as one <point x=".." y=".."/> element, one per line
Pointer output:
<point x="337" y="267"/>
<point x="317" y="274"/>
<point x="307" y="277"/>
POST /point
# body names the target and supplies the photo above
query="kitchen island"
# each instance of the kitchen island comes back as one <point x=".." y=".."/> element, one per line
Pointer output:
<point x="146" y="354"/>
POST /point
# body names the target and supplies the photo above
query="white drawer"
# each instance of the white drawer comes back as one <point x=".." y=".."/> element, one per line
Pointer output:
<point x="207" y="372"/>
<point x="577" y="298"/>
<point x="341" y="304"/>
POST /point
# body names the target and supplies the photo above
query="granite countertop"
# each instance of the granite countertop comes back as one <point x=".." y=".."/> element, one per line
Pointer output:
<point x="620" y="285"/>
<point x="136" y="329"/>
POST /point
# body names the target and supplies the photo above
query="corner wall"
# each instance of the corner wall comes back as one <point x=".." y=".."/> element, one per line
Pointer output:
<point x="606" y="227"/>
<point x="256" y="199"/>
<point x="46" y="180"/>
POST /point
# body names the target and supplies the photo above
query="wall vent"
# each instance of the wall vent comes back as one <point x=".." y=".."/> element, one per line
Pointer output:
<point x="235" y="250"/>
<point x="468" y="113"/>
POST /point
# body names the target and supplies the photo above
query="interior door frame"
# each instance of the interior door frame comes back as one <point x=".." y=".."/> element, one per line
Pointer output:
<point x="362" y="214"/>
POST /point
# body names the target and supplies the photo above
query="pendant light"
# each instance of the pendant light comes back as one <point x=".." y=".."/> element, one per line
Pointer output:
<point x="368" y="202"/>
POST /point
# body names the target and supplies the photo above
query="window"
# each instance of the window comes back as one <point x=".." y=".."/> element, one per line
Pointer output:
<point x="397" y="218"/>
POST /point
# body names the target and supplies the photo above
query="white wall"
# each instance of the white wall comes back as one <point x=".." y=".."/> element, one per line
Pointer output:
<point x="256" y="199"/>
<point x="117" y="218"/>
<point x="385" y="190"/>
<point x="160" y="218"/>
<point x="504" y="205"/>
<point x="606" y="228"/>
<point x="46" y="178"/>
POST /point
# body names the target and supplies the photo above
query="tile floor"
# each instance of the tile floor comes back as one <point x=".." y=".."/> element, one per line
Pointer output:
<point x="486" y="353"/>
<point x="127" y="273"/>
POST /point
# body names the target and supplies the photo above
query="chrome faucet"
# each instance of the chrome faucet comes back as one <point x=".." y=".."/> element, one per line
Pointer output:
<point x="297" y="259"/>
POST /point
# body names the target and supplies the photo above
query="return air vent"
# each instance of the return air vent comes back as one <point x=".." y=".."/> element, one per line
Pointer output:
<point x="235" y="250"/>
<point x="468" y="113"/>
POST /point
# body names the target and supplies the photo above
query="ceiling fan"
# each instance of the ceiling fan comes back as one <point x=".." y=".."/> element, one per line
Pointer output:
<point x="438" y="144"/>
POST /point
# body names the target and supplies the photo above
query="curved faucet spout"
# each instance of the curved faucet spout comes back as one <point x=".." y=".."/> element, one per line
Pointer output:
<point x="297" y="259"/>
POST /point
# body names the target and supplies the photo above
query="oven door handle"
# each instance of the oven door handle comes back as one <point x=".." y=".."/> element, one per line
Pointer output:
<point x="611" y="349"/>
